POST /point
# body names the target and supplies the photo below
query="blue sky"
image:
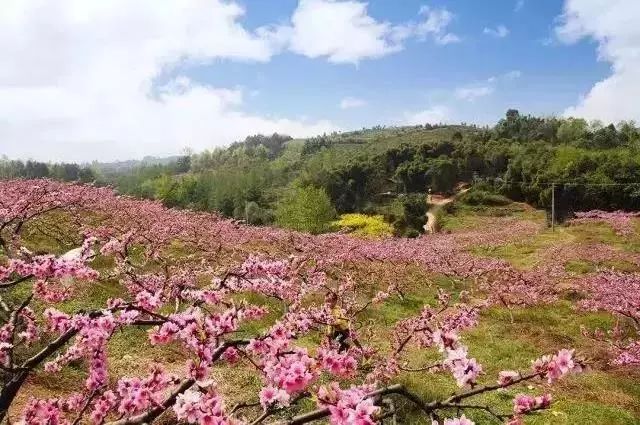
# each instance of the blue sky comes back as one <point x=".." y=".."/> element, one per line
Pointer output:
<point x="424" y="74"/>
<point x="119" y="79"/>
<point x="552" y="75"/>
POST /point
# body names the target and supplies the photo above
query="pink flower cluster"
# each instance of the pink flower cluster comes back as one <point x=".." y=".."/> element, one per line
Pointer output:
<point x="292" y="372"/>
<point x="200" y="333"/>
<point x="465" y="370"/>
<point x="90" y="343"/>
<point x="46" y="267"/>
<point x="132" y="395"/>
<point x="339" y="364"/>
<point x="462" y="420"/>
<point x="348" y="407"/>
<point x="271" y="396"/>
<point x="507" y="377"/>
<point x="554" y="367"/>
<point x="202" y="407"/>
<point x="439" y="329"/>
<point x="619" y="294"/>
<point x="523" y="403"/>
<point x="284" y="280"/>
<point x="621" y="221"/>
<point x="45" y="412"/>
<point x="136" y="395"/>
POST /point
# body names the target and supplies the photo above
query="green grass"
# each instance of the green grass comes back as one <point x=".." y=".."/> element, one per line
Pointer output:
<point x="525" y="253"/>
<point x="594" y="396"/>
<point x="459" y="216"/>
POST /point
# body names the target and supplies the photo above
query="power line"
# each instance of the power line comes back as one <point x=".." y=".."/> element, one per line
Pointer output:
<point x="577" y="184"/>
<point x="593" y="184"/>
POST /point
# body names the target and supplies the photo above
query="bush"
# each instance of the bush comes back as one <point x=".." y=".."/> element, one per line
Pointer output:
<point x="306" y="209"/>
<point x="483" y="197"/>
<point x="365" y="225"/>
<point x="411" y="223"/>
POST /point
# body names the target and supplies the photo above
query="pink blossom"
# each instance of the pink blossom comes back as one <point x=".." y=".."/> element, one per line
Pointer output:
<point x="462" y="420"/>
<point x="271" y="395"/>
<point x="523" y="403"/>
<point x="506" y="377"/>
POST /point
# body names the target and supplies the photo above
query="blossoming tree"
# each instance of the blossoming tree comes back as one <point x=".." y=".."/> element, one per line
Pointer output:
<point x="189" y="281"/>
<point x="619" y="294"/>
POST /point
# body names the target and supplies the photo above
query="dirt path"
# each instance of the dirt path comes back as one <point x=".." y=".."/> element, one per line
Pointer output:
<point x="437" y="202"/>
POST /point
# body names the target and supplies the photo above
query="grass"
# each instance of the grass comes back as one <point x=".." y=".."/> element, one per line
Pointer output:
<point x="459" y="216"/>
<point x="594" y="396"/>
<point x="525" y="254"/>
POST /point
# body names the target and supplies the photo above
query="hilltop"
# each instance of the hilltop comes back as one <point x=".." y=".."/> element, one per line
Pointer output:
<point x="387" y="172"/>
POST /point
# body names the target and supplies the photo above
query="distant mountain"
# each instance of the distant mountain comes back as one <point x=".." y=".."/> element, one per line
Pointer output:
<point x="124" y="166"/>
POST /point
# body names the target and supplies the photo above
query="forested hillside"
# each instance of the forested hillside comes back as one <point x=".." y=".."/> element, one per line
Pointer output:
<point x="387" y="171"/>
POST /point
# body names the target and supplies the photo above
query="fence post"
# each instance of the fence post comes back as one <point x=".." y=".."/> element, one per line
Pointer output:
<point x="553" y="207"/>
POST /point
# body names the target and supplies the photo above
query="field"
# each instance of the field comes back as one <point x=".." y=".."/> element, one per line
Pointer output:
<point x="525" y="280"/>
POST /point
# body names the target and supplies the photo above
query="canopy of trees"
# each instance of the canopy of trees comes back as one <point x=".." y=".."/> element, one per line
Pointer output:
<point x="595" y="166"/>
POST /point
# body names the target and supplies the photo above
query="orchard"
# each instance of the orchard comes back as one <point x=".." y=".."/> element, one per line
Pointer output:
<point x="290" y="309"/>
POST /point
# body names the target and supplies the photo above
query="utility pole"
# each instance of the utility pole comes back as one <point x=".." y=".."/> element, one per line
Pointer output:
<point x="553" y="207"/>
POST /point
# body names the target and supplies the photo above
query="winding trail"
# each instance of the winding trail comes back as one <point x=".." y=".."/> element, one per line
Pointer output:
<point x="437" y="202"/>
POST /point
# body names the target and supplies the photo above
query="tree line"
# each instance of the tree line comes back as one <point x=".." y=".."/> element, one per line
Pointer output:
<point x="387" y="171"/>
<point x="13" y="169"/>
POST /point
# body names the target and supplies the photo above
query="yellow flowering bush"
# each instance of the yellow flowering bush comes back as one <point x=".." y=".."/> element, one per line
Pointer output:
<point x="371" y="226"/>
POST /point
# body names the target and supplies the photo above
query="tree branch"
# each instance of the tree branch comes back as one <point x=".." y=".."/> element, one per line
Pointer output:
<point x="151" y="415"/>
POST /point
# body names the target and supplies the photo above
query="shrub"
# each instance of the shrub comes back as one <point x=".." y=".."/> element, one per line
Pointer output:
<point x="306" y="209"/>
<point x="365" y="225"/>
<point x="483" y="197"/>
<point x="411" y="223"/>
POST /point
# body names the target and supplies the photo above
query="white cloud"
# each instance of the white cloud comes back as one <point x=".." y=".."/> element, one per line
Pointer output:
<point x="519" y="5"/>
<point x="471" y="93"/>
<point x="351" y="102"/>
<point x="77" y="78"/>
<point x="434" y="115"/>
<point x="614" y="25"/>
<point x="507" y="76"/>
<point x="499" y="32"/>
<point x="435" y="24"/>
<point x="512" y="75"/>
<point x="343" y="32"/>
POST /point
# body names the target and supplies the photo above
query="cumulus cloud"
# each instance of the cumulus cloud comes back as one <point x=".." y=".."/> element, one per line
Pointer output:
<point x="499" y="32"/>
<point x="78" y="78"/>
<point x="613" y="24"/>
<point x="519" y="5"/>
<point x="83" y="79"/>
<point x="343" y="32"/>
<point x="352" y="102"/>
<point x="433" y="115"/>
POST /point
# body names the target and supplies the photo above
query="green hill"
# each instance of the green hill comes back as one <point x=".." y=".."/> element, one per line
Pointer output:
<point x="388" y="170"/>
